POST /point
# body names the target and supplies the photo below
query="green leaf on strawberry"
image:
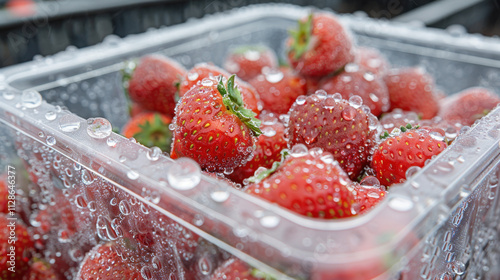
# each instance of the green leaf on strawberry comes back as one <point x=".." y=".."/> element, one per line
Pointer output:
<point x="265" y="173"/>
<point x="301" y="37"/>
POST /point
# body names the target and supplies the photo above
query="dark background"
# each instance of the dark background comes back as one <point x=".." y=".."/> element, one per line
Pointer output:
<point x="43" y="27"/>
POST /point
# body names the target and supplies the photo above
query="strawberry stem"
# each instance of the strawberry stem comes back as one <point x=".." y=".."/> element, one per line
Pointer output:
<point x="301" y="37"/>
<point x="231" y="97"/>
<point x="266" y="173"/>
<point x="155" y="134"/>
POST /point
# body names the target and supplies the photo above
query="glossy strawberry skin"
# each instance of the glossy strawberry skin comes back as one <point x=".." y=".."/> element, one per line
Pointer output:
<point x="412" y="89"/>
<point x="398" y="118"/>
<point x="248" y="61"/>
<point x="371" y="60"/>
<point x="294" y="186"/>
<point x="396" y="154"/>
<point x="468" y="106"/>
<point x="268" y="147"/>
<point x="40" y="270"/>
<point x="153" y="84"/>
<point x="357" y="81"/>
<point x="233" y="269"/>
<point x="368" y="196"/>
<point x="150" y="129"/>
<point x="278" y="89"/>
<point x="331" y="123"/>
<point x="206" y="70"/>
<point x="21" y="248"/>
<point x="206" y="131"/>
<point x="327" y="50"/>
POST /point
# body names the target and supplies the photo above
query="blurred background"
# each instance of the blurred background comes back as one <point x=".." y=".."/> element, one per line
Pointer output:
<point x="43" y="27"/>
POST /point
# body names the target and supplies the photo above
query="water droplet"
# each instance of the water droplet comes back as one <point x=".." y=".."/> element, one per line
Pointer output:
<point x="269" y="221"/>
<point x="268" y="131"/>
<point x="8" y="95"/>
<point x="205" y="265"/>
<point x="252" y="55"/>
<point x="31" y="99"/>
<point x="192" y="76"/>
<point x="458" y="267"/>
<point x="412" y="170"/>
<point x="146" y="273"/>
<point x="80" y="201"/>
<point x="321" y="94"/>
<point x="124" y="207"/>
<point x="198" y="220"/>
<point x="87" y="177"/>
<point x="99" y="128"/>
<point x="349" y="113"/>
<point x="351" y="67"/>
<point x="219" y="196"/>
<point x="207" y="82"/>
<point x="300" y="100"/>
<point x="132" y="174"/>
<point x="63" y="236"/>
<point x="156" y="263"/>
<point x="337" y="97"/>
<point x="274" y="75"/>
<point x="69" y="123"/>
<point x="153" y="154"/>
<point x="443" y="167"/>
<point x="185" y="174"/>
<point x="113" y="201"/>
<point x="50" y="140"/>
<point x="355" y="101"/>
<point x="299" y="150"/>
<point x="50" y="115"/>
<point x="436" y="136"/>
<point x="401" y="203"/>
<point x="92" y="205"/>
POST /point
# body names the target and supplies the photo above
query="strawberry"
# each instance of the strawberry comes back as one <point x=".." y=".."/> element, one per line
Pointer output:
<point x="412" y="89"/>
<point x="398" y="152"/>
<point x="103" y="262"/>
<point x="16" y="246"/>
<point x="310" y="183"/>
<point x="319" y="46"/>
<point x="398" y="118"/>
<point x="371" y="60"/>
<point x="236" y="269"/>
<point x="340" y="127"/>
<point x="447" y="128"/>
<point x="4" y="194"/>
<point x="368" y="193"/>
<point x="357" y="81"/>
<point x="278" y="88"/>
<point x="268" y="147"/>
<point x="248" y="61"/>
<point x="204" y="70"/>
<point x="468" y="106"/>
<point x="39" y="270"/>
<point x="213" y="127"/>
<point x="153" y="83"/>
<point x="149" y="129"/>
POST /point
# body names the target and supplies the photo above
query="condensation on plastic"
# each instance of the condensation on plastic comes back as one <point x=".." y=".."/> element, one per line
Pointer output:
<point x="441" y="223"/>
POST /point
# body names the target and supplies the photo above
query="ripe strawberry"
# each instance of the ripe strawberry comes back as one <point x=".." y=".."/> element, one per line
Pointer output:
<point x="40" y="270"/>
<point x="268" y="147"/>
<point x="204" y="70"/>
<point x="103" y="262"/>
<point x="248" y="61"/>
<point x="371" y="60"/>
<point x="149" y="129"/>
<point x="278" y="89"/>
<point x="357" y="81"/>
<point x="412" y="89"/>
<point x="320" y="46"/>
<point x="397" y="153"/>
<point x="153" y="83"/>
<point x="344" y="129"/>
<point x="236" y="269"/>
<point x="368" y="193"/>
<point x="398" y="118"/>
<point x="4" y="194"/>
<point x="213" y="127"/>
<point x="310" y="183"/>
<point x="468" y="106"/>
<point x="15" y="250"/>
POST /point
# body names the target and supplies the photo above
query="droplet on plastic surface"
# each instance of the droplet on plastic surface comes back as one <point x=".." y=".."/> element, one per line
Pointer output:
<point x="153" y="154"/>
<point x="8" y="95"/>
<point x="219" y="196"/>
<point x="50" y="115"/>
<point x="132" y="174"/>
<point x="124" y="207"/>
<point x="31" y="99"/>
<point x="51" y="141"/>
<point x="99" y="128"/>
<point x="269" y="221"/>
<point x="458" y="267"/>
<point x="401" y="203"/>
<point x="185" y="174"/>
<point x="69" y="123"/>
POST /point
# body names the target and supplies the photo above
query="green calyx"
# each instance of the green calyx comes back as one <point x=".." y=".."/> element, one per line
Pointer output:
<point x="301" y="37"/>
<point x="231" y="97"/>
<point x="266" y="173"/>
<point x="155" y="134"/>
<point x="405" y="128"/>
<point x="261" y="275"/>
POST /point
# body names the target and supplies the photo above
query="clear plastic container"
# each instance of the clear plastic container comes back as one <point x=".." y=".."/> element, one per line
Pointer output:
<point x="441" y="224"/>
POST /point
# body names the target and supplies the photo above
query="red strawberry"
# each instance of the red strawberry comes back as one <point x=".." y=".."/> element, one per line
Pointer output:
<point x="368" y="193"/>
<point x="204" y="70"/>
<point x="344" y="129"/>
<point x="40" y="270"/>
<point x="248" y="61"/>
<point x="4" y="194"/>
<point x="236" y="269"/>
<point x="372" y="60"/>
<point x="310" y="183"/>
<point x="278" y="89"/>
<point x="357" y="81"/>
<point x="213" y="127"/>
<point x="397" y="153"/>
<point x="149" y="129"/>
<point x="320" y="46"/>
<point x="103" y="262"/>
<point x="153" y="84"/>
<point x="449" y="129"/>
<point x="16" y="247"/>
<point x="412" y="89"/>
<point x="268" y="147"/>
<point x="398" y="118"/>
<point x="468" y="106"/>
